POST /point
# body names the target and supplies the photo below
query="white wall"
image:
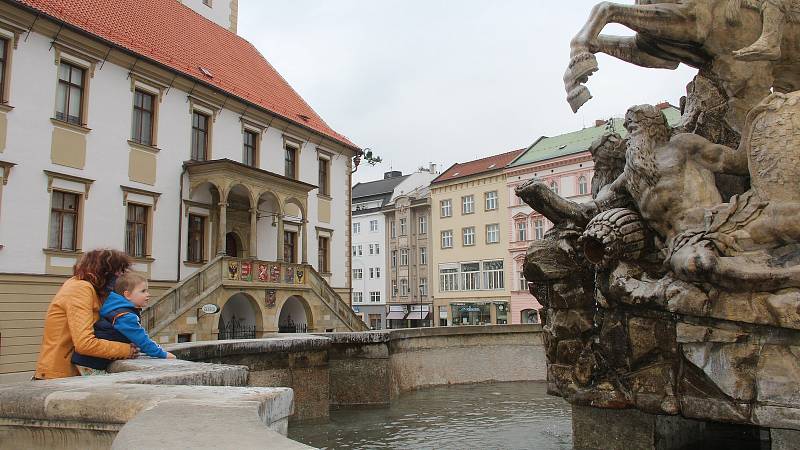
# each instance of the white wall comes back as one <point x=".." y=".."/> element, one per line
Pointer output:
<point x="219" y="12"/>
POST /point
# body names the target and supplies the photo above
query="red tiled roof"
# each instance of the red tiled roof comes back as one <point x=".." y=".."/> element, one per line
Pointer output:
<point x="488" y="164"/>
<point x="173" y="35"/>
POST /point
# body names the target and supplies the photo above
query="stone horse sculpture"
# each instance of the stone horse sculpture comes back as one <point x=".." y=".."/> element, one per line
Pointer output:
<point x="700" y="33"/>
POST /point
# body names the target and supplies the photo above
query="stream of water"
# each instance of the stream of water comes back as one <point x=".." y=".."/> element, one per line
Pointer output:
<point x="480" y="416"/>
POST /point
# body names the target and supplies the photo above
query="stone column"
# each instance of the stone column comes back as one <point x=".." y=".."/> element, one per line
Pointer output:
<point x="279" y="255"/>
<point x="304" y="233"/>
<point x="223" y="227"/>
<point x="253" y="250"/>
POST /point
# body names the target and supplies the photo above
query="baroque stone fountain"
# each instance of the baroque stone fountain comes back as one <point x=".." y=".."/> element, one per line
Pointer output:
<point x="673" y="297"/>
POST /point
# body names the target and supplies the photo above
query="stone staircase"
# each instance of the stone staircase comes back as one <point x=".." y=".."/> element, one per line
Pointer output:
<point x="236" y="273"/>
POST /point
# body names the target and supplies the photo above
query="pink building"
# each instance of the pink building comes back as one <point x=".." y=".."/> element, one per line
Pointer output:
<point x="564" y="163"/>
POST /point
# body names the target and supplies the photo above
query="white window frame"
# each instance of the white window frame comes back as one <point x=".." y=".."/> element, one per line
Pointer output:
<point x="493" y="230"/>
<point x="446" y="208"/>
<point x="470" y="280"/>
<point x="423" y="225"/>
<point x="493" y="279"/>
<point x="538" y="229"/>
<point x="403" y="257"/>
<point x="448" y="277"/>
<point x="447" y="239"/>
<point x="423" y="255"/>
<point x="522" y="231"/>
<point x="374" y="296"/>
<point x="357" y="229"/>
<point x="491" y="200"/>
<point x="467" y="204"/>
<point x="373" y="225"/>
<point x="358" y="274"/>
<point x="468" y="236"/>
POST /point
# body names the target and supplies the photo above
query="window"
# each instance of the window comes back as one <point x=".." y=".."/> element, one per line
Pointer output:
<point x="358" y="274"/>
<point x="448" y="278"/>
<point x="423" y="286"/>
<point x="522" y="231"/>
<point x="290" y="161"/>
<point x="143" y="117"/>
<point x="470" y="276"/>
<point x="403" y="256"/>
<point x="468" y="236"/>
<point x="358" y="297"/>
<point x="394" y="288"/>
<point x="583" y="186"/>
<point x="371" y="249"/>
<point x="69" y="94"/>
<point x="373" y="225"/>
<point x="402" y="227"/>
<point x="184" y="337"/>
<point x="377" y="249"/>
<point x="356" y="227"/>
<point x="492" y="233"/>
<point x="63" y="221"/>
<point x="3" y="69"/>
<point x="289" y="246"/>
<point x="423" y="255"/>
<point x="493" y="274"/>
<point x="446" y="207"/>
<point x="554" y="186"/>
<point x="393" y="229"/>
<point x="404" y="287"/>
<point x="197" y="236"/>
<point x="538" y="229"/>
<point x="136" y="230"/>
<point x="375" y="296"/>
<point x="323" y="262"/>
<point x="468" y="204"/>
<point x="394" y="258"/>
<point x="447" y="239"/>
<point x="358" y="250"/>
<point x="491" y="200"/>
<point x="371" y="273"/>
<point x="423" y="225"/>
<point x="250" y="148"/>
<point x="523" y="284"/>
<point x="199" y="136"/>
<point x="324" y="176"/>
<point x="207" y="2"/>
<point x="375" y="321"/>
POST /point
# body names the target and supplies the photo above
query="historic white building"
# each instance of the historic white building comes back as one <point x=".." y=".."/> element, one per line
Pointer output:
<point x="145" y="127"/>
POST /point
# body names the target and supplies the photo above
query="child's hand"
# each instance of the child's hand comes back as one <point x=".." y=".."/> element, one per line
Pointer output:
<point x="171" y="356"/>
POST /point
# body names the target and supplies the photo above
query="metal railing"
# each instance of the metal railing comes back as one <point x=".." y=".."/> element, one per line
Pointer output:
<point x="223" y="270"/>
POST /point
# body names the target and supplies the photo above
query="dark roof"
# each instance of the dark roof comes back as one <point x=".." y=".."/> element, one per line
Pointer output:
<point x="173" y="35"/>
<point x="375" y="188"/>
<point x="478" y="166"/>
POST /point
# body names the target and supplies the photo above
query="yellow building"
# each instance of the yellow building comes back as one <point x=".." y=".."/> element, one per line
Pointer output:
<point x="470" y="256"/>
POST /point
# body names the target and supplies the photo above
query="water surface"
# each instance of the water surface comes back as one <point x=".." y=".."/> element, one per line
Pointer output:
<point x="479" y="416"/>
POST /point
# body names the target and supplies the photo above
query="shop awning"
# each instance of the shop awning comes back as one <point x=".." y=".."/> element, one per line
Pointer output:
<point x="417" y="315"/>
<point x="396" y="315"/>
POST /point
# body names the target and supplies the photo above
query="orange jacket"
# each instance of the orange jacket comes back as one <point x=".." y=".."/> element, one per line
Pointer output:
<point x="68" y="326"/>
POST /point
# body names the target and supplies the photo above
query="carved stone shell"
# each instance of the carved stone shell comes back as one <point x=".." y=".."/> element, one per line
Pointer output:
<point x="613" y="235"/>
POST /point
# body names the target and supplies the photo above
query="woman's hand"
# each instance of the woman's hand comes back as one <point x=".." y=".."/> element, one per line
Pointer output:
<point x="171" y="356"/>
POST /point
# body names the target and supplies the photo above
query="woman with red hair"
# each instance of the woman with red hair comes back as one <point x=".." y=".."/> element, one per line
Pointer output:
<point x="69" y="324"/>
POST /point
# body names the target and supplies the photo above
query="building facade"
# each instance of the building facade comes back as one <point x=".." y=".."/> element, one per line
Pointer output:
<point x="154" y="143"/>
<point x="409" y="244"/>
<point x="369" y="247"/>
<point x="565" y="164"/>
<point x="470" y="256"/>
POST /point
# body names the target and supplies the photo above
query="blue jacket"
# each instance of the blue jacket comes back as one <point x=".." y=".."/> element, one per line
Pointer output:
<point x="119" y="321"/>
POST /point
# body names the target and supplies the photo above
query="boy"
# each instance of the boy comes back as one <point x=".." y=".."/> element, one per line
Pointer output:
<point x="119" y="321"/>
<point x="768" y="47"/>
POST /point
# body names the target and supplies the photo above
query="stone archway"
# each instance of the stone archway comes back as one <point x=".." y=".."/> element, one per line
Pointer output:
<point x="233" y="245"/>
<point x="295" y="316"/>
<point x="240" y="318"/>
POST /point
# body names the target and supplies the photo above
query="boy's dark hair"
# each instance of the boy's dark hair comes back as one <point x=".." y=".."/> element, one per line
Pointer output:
<point x="128" y="282"/>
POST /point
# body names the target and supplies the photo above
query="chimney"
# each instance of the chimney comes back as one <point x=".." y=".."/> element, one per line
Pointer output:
<point x="432" y="168"/>
<point x="600" y="122"/>
<point x="392" y="174"/>
<point x="663" y="105"/>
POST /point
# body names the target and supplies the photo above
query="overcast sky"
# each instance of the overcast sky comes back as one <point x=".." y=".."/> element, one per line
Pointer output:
<point x="422" y="81"/>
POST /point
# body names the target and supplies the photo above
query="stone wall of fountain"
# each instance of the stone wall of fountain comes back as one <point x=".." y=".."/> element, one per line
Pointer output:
<point x="247" y="391"/>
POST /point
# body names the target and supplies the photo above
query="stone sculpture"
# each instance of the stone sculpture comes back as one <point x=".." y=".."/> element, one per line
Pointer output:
<point x="676" y="290"/>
